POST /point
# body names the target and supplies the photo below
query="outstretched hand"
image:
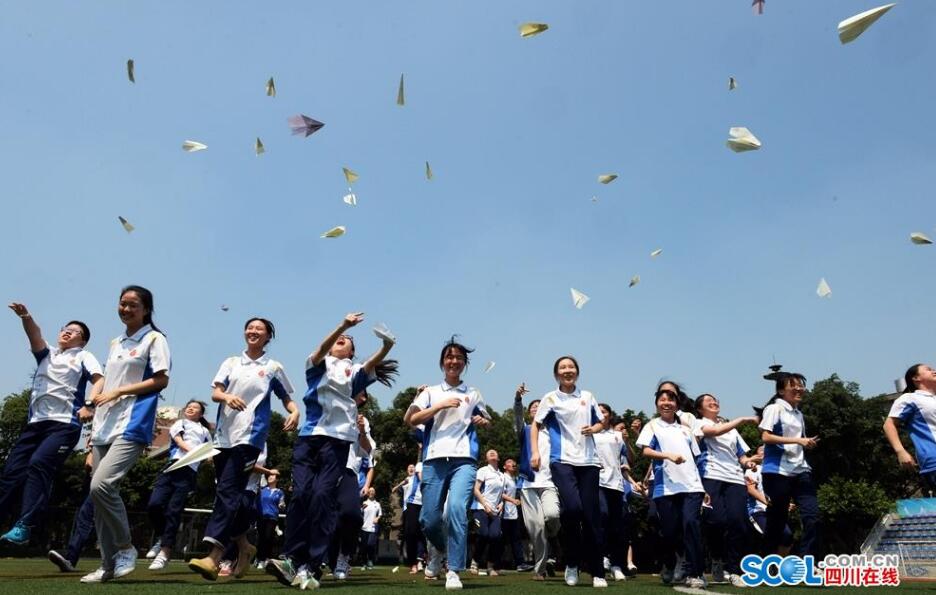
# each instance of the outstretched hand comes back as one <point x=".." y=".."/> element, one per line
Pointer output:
<point x="353" y="318"/>
<point x="19" y="309"/>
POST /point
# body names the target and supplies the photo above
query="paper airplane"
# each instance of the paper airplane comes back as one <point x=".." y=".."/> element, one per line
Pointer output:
<point x="742" y="140"/>
<point x="579" y="298"/>
<point x="757" y="6"/>
<point x="656" y="253"/>
<point x="126" y="224"/>
<point x="384" y="333"/>
<point x="852" y="27"/>
<point x="225" y="308"/>
<point x="130" y="71"/>
<point x="271" y="88"/>
<point x="196" y="455"/>
<point x="334" y="232"/>
<point x="489" y="366"/>
<point x="823" y="290"/>
<point x="607" y="178"/>
<point x="634" y="281"/>
<point x="531" y="29"/>
<point x="350" y="199"/>
<point x="302" y="124"/>
<point x="428" y="171"/>
<point x="191" y="146"/>
<point x="349" y="175"/>
<point x="258" y="147"/>
<point x="400" y="98"/>
<point x="732" y="83"/>
<point x="594" y="199"/>
<point x="919" y="238"/>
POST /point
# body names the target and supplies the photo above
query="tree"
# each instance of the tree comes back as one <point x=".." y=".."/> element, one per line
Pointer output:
<point x="13" y="417"/>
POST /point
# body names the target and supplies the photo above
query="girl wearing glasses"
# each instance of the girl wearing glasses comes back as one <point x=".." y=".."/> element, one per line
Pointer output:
<point x="56" y="411"/>
<point x="786" y="474"/>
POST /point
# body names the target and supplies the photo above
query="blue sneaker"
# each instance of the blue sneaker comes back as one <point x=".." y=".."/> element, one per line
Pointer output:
<point x="18" y="535"/>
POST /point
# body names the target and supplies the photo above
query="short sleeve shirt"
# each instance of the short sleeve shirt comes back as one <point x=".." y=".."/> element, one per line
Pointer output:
<point x="192" y="433"/>
<point x="719" y="454"/>
<point x="450" y="433"/>
<point x="61" y="383"/>
<point x="371" y="510"/>
<point x="564" y="415"/>
<point x="255" y="381"/>
<point x="510" y="489"/>
<point x="329" y="398"/>
<point x="782" y="419"/>
<point x="753" y="504"/>
<point x="668" y="477"/>
<point x="612" y="454"/>
<point x="253" y="482"/>
<point x="917" y="411"/>
<point x="493" y="482"/>
<point x="413" y="491"/>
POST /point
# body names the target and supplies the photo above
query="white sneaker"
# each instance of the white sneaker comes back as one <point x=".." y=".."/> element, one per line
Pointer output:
<point x="606" y="562"/>
<point x="618" y="573"/>
<point x="452" y="581"/>
<point x="599" y="583"/>
<point x="301" y="574"/>
<point x="571" y="576"/>
<point x="154" y="551"/>
<point x="125" y="562"/>
<point x="98" y="576"/>
<point x="736" y="581"/>
<point x="482" y="573"/>
<point x="434" y="565"/>
<point x="159" y="562"/>
<point x="696" y="582"/>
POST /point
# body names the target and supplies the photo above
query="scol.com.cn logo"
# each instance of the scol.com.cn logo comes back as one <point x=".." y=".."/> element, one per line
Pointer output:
<point x="833" y="571"/>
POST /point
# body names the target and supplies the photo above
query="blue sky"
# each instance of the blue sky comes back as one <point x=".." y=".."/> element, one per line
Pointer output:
<point x="517" y="131"/>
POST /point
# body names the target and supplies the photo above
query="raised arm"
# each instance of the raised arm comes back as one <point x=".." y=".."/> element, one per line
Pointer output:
<point x="893" y="437"/>
<point x="518" y="408"/>
<point x="713" y="430"/>
<point x="33" y="333"/>
<point x="378" y="356"/>
<point x="322" y="350"/>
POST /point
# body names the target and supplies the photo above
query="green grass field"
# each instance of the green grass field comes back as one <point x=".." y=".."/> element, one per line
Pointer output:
<point x="34" y="577"/>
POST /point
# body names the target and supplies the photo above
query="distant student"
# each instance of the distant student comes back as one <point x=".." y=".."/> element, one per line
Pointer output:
<point x="354" y="484"/>
<point x="612" y="453"/>
<point x="916" y="410"/>
<point x="486" y="510"/>
<point x="370" y="528"/>
<point x="510" y="519"/>
<point x="757" y="506"/>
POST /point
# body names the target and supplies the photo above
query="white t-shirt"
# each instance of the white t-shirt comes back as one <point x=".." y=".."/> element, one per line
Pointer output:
<point x="253" y="483"/>
<point x="564" y="416"/>
<point x="542" y="477"/>
<point x="753" y="504"/>
<point x="192" y="433"/>
<point x="329" y="399"/>
<point x="511" y="486"/>
<point x="917" y="411"/>
<point x="450" y="433"/>
<point x="60" y="384"/>
<point x="254" y="381"/>
<point x="412" y="492"/>
<point x="612" y="454"/>
<point x="782" y="419"/>
<point x="371" y="511"/>
<point x="359" y="459"/>
<point x="719" y="454"/>
<point x="668" y="477"/>
<point x="131" y="360"/>
<point x="492" y="487"/>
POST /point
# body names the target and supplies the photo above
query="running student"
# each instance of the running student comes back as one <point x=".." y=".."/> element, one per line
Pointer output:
<point x="677" y="490"/>
<point x="510" y="519"/>
<point x="449" y="411"/>
<point x="250" y="499"/>
<point x="916" y="409"/>
<point x="539" y="499"/>
<point x="321" y="452"/>
<point x="412" y="506"/>
<point x="721" y="465"/>
<point x="137" y="369"/>
<point x="572" y="418"/>
<point x="270" y="501"/>
<point x="786" y="474"/>
<point x="486" y="509"/>
<point x="355" y="482"/>
<point x="757" y="506"/>
<point x="82" y="530"/>
<point x="56" y="411"/>
<point x="612" y="454"/>
<point x="168" y="497"/>
<point x="243" y="388"/>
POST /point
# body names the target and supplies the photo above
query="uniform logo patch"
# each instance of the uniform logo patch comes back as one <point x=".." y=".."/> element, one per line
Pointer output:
<point x="133" y="353"/>
<point x="261" y="373"/>
<point x="582" y="402"/>
<point x="347" y="372"/>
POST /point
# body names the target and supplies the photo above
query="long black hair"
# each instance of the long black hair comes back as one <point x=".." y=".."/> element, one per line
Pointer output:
<point x="783" y="380"/>
<point x="909" y="376"/>
<point x="146" y="296"/>
<point x="386" y="371"/>
<point x="453" y="343"/>
<point x="204" y="407"/>
<point x="683" y="402"/>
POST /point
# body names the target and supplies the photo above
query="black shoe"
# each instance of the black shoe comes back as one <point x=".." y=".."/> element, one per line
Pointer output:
<point x="63" y="563"/>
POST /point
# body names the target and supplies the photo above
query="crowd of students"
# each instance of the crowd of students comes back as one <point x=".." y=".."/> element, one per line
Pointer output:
<point x="571" y="488"/>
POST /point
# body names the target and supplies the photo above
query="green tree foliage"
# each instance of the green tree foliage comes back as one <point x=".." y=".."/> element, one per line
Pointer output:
<point x="849" y="510"/>
<point x="13" y="414"/>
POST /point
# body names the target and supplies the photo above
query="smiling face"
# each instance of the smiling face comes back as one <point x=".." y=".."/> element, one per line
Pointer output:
<point x="925" y="377"/>
<point x="709" y="407"/>
<point x="256" y="335"/>
<point x="666" y="403"/>
<point x="343" y="348"/>
<point x="410" y="469"/>
<point x="510" y="466"/>
<point x="193" y="411"/>
<point x="566" y="372"/>
<point x="792" y="391"/>
<point x="453" y="363"/>
<point x="605" y="416"/>
<point x="534" y="407"/>
<point x="70" y="336"/>
<point x="371" y="493"/>
<point x="131" y="310"/>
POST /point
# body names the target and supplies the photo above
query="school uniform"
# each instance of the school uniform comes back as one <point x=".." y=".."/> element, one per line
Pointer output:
<point x="350" y="518"/>
<point x="510" y="519"/>
<point x="787" y="476"/>
<point x="677" y="492"/>
<point x="612" y="453"/>
<point x="270" y="502"/>
<point x="723" y="479"/>
<point x="241" y="436"/>
<point x="250" y="507"/>
<point x="59" y="387"/>
<point x="757" y="510"/>
<point x="575" y="470"/>
<point x="412" y="506"/>
<point x="121" y="430"/>
<point x="320" y="457"/>
<point x="449" y="455"/>
<point x="917" y="412"/>
<point x="488" y="543"/>
<point x="371" y="512"/>
<point x="167" y="499"/>
<point x="539" y="498"/>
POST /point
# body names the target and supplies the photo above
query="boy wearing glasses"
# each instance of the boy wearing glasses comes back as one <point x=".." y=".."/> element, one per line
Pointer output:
<point x="57" y="409"/>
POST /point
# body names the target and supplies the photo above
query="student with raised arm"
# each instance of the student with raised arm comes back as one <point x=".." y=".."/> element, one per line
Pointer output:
<point x="321" y="452"/>
<point x="449" y="411"/>
<point x="677" y="490"/>
<point x="538" y="497"/>
<point x="243" y="388"/>
<point x="572" y="418"/>
<point x="57" y="408"/>
<point x="137" y="370"/>
<point x="786" y="474"/>
<point x="916" y="409"/>
<point x="721" y="465"/>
